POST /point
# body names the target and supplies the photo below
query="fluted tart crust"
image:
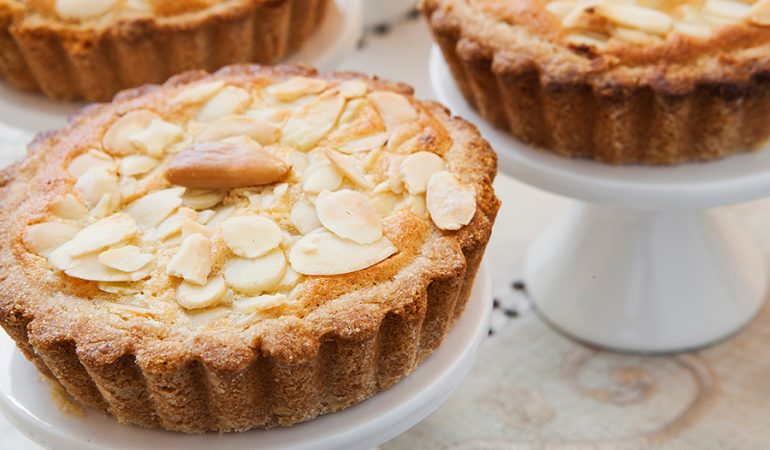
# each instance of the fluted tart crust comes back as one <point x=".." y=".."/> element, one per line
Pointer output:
<point x="638" y="82"/>
<point x="78" y="50"/>
<point x="333" y="257"/>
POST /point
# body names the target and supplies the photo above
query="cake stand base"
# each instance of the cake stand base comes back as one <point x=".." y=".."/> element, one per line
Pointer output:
<point x="647" y="281"/>
<point x="26" y="401"/>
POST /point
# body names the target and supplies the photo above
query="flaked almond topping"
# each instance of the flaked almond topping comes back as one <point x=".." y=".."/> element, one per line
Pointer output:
<point x="152" y="209"/>
<point x="560" y="8"/>
<point x="727" y="8"/>
<point x="102" y="234"/>
<point x="760" y="13"/>
<point x="105" y="206"/>
<point x="698" y="30"/>
<point x="297" y="87"/>
<point x="83" y="9"/>
<point x="44" y="238"/>
<point x="156" y="137"/>
<point x="193" y="261"/>
<point x="198" y="93"/>
<point x="402" y="134"/>
<point x="193" y="296"/>
<point x="395" y="109"/>
<point x="251" y="236"/>
<point x="137" y="165"/>
<point x="205" y="216"/>
<point x="638" y="17"/>
<point x="255" y="276"/>
<point x="324" y="253"/>
<point x="303" y="217"/>
<point x="290" y="279"/>
<point x="229" y="100"/>
<point x="353" y="89"/>
<point x="348" y="167"/>
<point x="97" y="182"/>
<point x="451" y="204"/>
<point x="417" y="205"/>
<point x="69" y="207"/>
<point x="191" y="227"/>
<point x="125" y="259"/>
<point x="350" y="215"/>
<point x="222" y="165"/>
<point x="202" y="199"/>
<point x="260" y="303"/>
<point x="263" y="132"/>
<point x="89" y="268"/>
<point x="365" y="144"/>
<point x="417" y="169"/>
<point x="309" y="124"/>
<point x="117" y="140"/>
<point x="89" y="160"/>
<point x="173" y="224"/>
<point x="321" y="177"/>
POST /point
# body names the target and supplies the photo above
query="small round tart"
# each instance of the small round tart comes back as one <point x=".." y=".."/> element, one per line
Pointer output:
<point x="246" y="249"/>
<point x="623" y="82"/>
<point x="92" y="49"/>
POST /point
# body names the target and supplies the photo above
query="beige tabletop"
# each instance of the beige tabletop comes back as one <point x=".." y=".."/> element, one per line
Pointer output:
<point x="531" y="387"/>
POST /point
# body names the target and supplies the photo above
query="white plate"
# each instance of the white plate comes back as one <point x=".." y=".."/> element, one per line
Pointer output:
<point x="698" y="185"/>
<point x="26" y="401"/>
<point x="332" y="43"/>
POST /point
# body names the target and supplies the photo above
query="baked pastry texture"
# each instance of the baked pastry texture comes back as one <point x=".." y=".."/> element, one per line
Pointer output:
<point x="622" y="82"/>
<point x="247" y="249"/>
<point x="79" y="49"/>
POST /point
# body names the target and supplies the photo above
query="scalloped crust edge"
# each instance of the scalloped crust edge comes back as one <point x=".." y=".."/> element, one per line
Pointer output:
<point x="267" y="386"/>
<point x="615" y="123"/>
<point x="95" y="65"/>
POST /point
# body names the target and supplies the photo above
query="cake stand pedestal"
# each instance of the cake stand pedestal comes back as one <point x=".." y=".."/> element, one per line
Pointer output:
<point x="25" y="399"/>
<point x="335" y="39"/>
<point x="641" y="266"/>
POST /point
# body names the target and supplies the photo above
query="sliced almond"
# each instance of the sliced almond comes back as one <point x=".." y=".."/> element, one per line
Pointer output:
<point x="304" y="217"/>
<point x="89" y="268"/>
<point x="44" y="238"/>
<point x="395" y="109"/>
<point x="365" y="144"/>
<point x="699" y="30"/>
<point x="265" y="133"/>
<point x="760" y="13"/>
<point x="353" y="89"/>
<point x="173" y="224"/>
<point x="198" y="93"/>
<point x="156" y="137"/>
<point x="451" y="204"/>
<point x="117" y="140"/>
<point x="87" y="161"/>
<point x="254" y="276"/>
<point x="106" y="205"/>
<point x="349" y="215"/>
<point x="202" y="199"/>
<point x="191" y="227"/>
<point x="83" y="9"/>
<point x="638" y="17"/>
<point x="560" y="8"/>
<point x="102" y="234"/>
<point x="417" y="169"/>
<point x="221" y="214"/>
<point x="417" y="205"/>
<point x="137" y="165"/>
<point x="385" y="202"/>
<point x="222" y="165"/>
<point x="69" y="207"/>
<point x="97" y="182"/>
<point x="321" y="177"/>
<point x="727" y="8"/>
<point x="193" y="296"/>
<point x="324" y="253"/>
<point x="251" y="236"/>
<point x="260" y="303"/>
<point x="297" y="87"/>
<point x="193" y="261"/>
<point x="308" y="125"/>
<point x="349" y="167"/>
<point x="152" y="209"/>
<point x="125" y="259"/>
<point x="229" y="100"/>
<point x="290" y="279"/>
<point x="402" y="134"/>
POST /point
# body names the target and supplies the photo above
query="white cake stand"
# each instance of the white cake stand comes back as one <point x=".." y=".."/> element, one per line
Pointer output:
<point x="331" y="44"/>
<point x="641" y="267"/>
<point x="25" y="399"/>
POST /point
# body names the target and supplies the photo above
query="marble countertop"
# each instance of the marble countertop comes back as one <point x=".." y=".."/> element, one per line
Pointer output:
<point x="532" y="388"/>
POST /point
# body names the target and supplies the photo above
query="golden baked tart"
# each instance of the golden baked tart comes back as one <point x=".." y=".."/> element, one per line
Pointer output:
<point x="91" y="49"/>
<point x="247" y="249"/>
<point x="619" y="81"/>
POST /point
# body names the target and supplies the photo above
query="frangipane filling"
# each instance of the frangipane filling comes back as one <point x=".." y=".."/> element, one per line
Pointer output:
<point x="597" y="22"/>
<point x="248" y="193"/>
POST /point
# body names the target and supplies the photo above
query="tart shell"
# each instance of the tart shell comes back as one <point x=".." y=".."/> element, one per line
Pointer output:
<point x="656" y="115"/>
<point x="298" y="368"/>
<point x="94" y="62"/>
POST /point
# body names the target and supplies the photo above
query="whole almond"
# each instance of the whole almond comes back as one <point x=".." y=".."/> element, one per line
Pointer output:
<point x="223" y="165"/>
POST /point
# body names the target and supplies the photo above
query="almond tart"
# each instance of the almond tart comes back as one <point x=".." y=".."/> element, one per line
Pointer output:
<point x="619" y="81"/>
<point x="91" y="49"/>
<point x="247" y="249"/>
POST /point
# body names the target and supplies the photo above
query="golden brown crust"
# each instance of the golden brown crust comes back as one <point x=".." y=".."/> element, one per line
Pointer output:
<point x="93" y="61"/>
<point x="682" y="101"/>
<point x="291" y="368"/>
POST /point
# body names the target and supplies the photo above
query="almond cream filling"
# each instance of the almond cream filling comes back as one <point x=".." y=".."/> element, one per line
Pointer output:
<point x="253" y="193"/>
